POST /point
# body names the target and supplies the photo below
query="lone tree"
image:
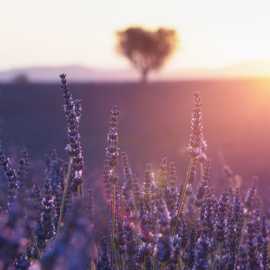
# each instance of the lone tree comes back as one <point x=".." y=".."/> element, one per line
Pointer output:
<point x="147" y="50"/>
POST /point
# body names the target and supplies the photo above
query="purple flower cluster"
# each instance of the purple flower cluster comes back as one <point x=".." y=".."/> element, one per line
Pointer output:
<point x="73" y="112"/>
<point x="228" y="231"/>
<point x="11" y="175"/>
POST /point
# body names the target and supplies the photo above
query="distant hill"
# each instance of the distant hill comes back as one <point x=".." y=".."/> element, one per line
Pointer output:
<point x="79" y="73"/>
<point x="76" y="73"/>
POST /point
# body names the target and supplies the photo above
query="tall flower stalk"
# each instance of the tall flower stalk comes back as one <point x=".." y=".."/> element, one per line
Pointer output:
<point x="112" y="153"/>
<point x="196" y="149"/>
<point x="74" y="176"/>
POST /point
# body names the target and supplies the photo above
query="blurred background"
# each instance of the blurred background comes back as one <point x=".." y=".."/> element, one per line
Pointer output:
<point x="218" y="38"/>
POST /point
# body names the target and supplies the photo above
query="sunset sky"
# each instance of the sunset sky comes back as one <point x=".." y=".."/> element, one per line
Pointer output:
<point x="214" y="33"/>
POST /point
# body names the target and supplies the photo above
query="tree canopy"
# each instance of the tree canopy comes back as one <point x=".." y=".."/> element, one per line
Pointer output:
<point x="147" y="50"/>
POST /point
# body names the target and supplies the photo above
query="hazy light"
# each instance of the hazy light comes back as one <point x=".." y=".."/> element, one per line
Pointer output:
<point x="214" y="33"/>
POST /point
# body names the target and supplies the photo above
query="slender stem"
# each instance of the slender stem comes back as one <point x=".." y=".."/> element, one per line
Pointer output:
<point x="184" y="189"/>
<point x="183" y="193"/>
<point x="80" y="190"/>
<point x="67" y="181"/>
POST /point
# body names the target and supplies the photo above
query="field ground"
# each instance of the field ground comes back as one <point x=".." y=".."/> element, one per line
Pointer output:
<point x="155" y="121"/>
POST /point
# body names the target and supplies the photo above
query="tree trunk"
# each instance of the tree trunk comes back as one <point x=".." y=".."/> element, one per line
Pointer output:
<point x="144" y="76"/>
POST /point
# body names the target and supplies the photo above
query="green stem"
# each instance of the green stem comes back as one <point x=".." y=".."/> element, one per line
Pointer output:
<point x="67" y="181"/>
<point x="182" y="195"/>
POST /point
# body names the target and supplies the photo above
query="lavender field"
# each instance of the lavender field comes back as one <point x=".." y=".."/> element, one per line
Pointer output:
<point x="126" y="176"/>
